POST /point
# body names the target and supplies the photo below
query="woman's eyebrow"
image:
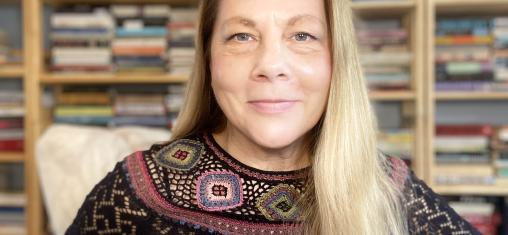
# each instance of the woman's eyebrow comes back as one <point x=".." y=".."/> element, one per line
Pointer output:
<point x="252" y="24"/>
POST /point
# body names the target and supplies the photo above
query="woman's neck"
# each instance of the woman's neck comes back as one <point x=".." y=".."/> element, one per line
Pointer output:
<point x="292" y="157"/>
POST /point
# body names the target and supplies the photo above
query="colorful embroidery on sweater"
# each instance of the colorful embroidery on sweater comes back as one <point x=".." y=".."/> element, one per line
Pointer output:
<point x="144" y="188"/>
<point x="180" y="155"/>
<point x="279" y="203"/>
<point x="219" y="190"/>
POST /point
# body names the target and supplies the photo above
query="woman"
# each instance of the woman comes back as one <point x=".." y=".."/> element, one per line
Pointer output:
<point x="277" y="136"/>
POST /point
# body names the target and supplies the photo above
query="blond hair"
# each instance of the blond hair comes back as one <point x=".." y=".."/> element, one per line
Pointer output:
<point x="349" y="190"/>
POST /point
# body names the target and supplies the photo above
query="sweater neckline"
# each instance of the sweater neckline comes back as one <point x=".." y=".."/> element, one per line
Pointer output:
<point x="232" y="162"/>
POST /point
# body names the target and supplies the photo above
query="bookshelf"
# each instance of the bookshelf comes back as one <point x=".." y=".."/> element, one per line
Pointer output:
<point x="12" y="71"/>
<point x="61" y="79"/>
<point x="11" y="157"/>
<point x="385" y="7"/>
<point x="16" y="71"/>
<point x="457" y="8"/>
<point x="410" y="101"/>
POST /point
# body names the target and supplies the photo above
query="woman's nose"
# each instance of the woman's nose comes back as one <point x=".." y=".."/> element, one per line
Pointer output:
<point x="271" y="62"/>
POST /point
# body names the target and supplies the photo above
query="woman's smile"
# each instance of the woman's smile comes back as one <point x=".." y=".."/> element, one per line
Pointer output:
<point x="272" y="106"/>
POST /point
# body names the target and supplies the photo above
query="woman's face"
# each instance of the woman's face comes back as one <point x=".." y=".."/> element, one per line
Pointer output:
<point x="271" y="67"/>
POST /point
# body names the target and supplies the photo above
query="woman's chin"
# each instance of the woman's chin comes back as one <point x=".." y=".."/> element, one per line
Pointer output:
<point x="274" y="140"/>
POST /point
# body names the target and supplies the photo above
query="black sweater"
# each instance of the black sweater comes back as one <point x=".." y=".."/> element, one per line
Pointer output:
<point x="193" y="186"/>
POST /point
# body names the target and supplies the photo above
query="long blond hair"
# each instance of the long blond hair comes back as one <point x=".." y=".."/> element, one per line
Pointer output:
<point x="349" y="190"/>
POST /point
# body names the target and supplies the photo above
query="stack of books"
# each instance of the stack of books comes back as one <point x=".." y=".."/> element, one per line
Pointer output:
<point x="464" y="59"/>
<point x="12" y="199"/>
<point x="479" y="212"/>
<point x="174" y="101"/>
<point x="385" y="53"/>
<point x="181" y="37"/>
<point x="140" y="44"/>
<point x="83" y="106"/>
<point x="11" y="116"/>
<point x="140" y="109"/>
<point x="500" y="153"/>
<point x="4" y="48"/>
<point x="500" y="32"/>
<point x="467" y="146"/>
<point x="119" y="105"/>
<point x="8" y="55"/>
<point x="463" y="144"/>
<point x="397" y="142"/>
<point x="80" y="38"/>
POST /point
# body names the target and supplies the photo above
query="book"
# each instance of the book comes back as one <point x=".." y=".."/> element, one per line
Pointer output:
<point x="84" y="110"/>
<point x="12" y="145"/>
<point x="6" y="123"/>
<point x="464" y="130"/>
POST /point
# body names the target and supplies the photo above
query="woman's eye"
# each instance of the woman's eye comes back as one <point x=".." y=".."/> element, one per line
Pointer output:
<point x="302" y="37"/>
<point x="241" y="37"/>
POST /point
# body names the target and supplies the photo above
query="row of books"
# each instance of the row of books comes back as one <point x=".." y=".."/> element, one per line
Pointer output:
<point x="486" y="214"/>
<point x="12" y="199"/>
<point x="397" y="142"/>
<point x="471" y="154"/>
<point x="123" y="38"/>
<point x="156" y="106"/>
<point x="11" y="116"/>
<point x="8" y="55"/>
<point x="472" y="54"/>
<point x="385" y="54"/>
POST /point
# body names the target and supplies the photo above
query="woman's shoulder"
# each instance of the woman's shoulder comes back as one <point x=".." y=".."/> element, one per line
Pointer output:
<point x="427" y="212"/>
<point x="128" y="197"/>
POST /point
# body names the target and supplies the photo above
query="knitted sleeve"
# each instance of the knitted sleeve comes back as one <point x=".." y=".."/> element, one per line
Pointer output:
<point x="112" y="208"/>
<point x="428" y="213"/>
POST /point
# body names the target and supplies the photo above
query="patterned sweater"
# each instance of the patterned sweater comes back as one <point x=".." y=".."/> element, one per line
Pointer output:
<point x="193" y="186"/>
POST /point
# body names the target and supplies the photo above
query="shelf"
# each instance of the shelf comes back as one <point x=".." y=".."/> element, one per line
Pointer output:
<point x="471" y="7"/>
<point x="500" y="189"/>
<point x="171" y="2"/>
<point x="472" y="95"/>
<point x="11" y="157"/>
<point x="82" y="78"/>
<point x="391" y="95"/>
<point x="14" y="71"/>
<point x="386" y="7"/>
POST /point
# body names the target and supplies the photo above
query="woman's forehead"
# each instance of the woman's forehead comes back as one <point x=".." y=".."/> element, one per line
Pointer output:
<point x="252" y="22"/>
<point x="251" y="12"/>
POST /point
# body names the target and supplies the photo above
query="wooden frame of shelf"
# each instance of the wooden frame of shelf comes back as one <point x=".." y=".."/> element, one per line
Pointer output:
<point x="81" y="78"/>
<point x="14" y="71"/>
<point x="470" y="6"/>
<point x="12" y="157"/>
<point x="484" y="190"/>
<point x="172" y="2"/>
<point x="385" y="6"/>
<point x="392" y="95"/>
<point x="471" y="96"/>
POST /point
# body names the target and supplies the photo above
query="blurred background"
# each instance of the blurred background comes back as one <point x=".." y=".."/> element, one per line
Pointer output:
<point x="83" y="83"/>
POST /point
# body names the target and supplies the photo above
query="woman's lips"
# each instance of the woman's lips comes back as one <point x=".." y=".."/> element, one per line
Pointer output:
<point x="272" y="106"/>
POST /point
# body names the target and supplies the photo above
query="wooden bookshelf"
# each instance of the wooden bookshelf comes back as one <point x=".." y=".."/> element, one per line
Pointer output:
<point x="11" y="71"/>
<point x="499" y="189"/>
<point x="456" y="8"/>
<point x="77" y="78"/>
<point x="471" y="6"/>
<point x="392" y="95"/>
<point x="172" y="2"/>
<point x="471" y="96"/>
<point x="12" y="157"/>
<point x="384" y="7"/>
